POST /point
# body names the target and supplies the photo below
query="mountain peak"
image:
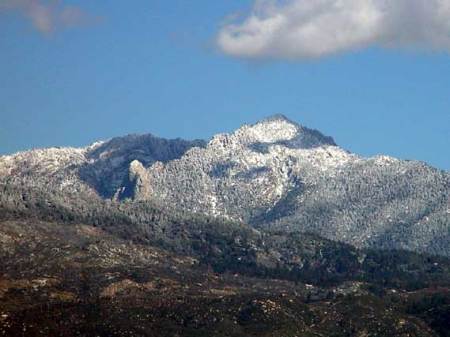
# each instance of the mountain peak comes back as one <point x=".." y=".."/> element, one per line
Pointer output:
<point x="281" y="130"/>
<point x="277" y="118"/>
<point x="270" y="130"/>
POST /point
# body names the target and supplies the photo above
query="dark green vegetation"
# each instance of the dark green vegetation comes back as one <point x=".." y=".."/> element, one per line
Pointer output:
<point x="133" y="269"/>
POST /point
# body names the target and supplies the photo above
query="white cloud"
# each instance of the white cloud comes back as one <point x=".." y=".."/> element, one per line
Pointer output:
<point x="45" y="16"/>
<point x="301" y="29"/>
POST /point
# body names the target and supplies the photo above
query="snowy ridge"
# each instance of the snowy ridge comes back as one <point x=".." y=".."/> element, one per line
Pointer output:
<point x="253" y="169"/>
<point x="275" y="174"/>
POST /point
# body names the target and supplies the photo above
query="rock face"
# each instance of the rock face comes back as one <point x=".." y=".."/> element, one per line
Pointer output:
<point x="274" y="174"/>
<point x="108" y="164"/>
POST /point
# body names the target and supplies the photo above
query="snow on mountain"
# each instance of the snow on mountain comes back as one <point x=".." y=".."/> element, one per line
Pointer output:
<point x="274" y="174"/>
<point x="245" y="173"/>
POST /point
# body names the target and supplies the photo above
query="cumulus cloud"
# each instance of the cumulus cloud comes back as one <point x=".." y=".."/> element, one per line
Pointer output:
<point x="302" y="29"/>
<point x="46" y="16"/>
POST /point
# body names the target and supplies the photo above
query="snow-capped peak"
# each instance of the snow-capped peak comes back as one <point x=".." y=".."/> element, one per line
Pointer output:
<point x="274" y="130"/>
<point x="270" y="130"/>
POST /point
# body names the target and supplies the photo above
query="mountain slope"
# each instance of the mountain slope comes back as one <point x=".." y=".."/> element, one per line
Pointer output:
<point x="67" y="279"/>
<point x="274" y="174"/>
<point x="141" y="236"/>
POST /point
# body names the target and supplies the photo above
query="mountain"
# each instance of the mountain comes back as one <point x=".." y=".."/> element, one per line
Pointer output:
<point x="143" y="236"/>
<point x="275" y="174"/>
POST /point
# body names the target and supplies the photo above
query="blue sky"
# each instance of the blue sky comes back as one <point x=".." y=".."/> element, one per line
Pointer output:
<point x="154" y="66"/>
